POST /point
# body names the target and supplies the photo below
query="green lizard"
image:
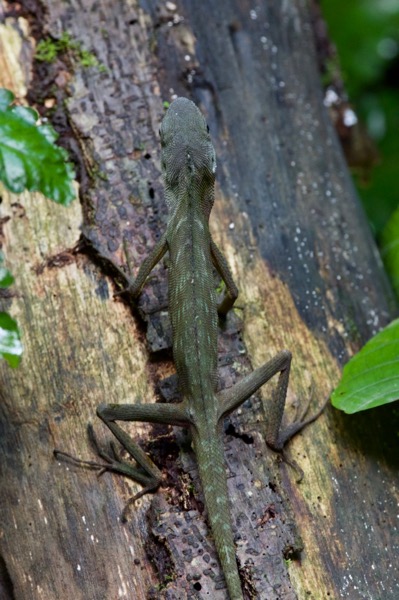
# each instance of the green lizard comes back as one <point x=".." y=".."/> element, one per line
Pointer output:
<point x="189" y="166"/>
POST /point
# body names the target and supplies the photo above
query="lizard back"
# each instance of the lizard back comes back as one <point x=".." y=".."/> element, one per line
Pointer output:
<point x="188" y="161"/>
<point x="193" y="298"/>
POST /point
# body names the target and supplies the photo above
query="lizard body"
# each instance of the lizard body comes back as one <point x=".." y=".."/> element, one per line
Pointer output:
<point x="189" y="166"/>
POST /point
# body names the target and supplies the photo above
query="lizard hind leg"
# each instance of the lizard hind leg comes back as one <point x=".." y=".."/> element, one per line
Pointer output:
<point x="276" y="436"/>
<point x="115" y="464"/>
<point x="147" y="473"/>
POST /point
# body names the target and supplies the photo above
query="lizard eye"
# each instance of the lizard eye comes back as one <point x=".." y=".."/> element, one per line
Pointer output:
<point x="207" y="128"/>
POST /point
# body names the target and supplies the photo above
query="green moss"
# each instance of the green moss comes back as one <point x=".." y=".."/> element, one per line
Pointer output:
<point x="49" y="49"/>
<point x="46" y="51"/>
<point x="288" y="562"/>
<point x="88" y="59"/>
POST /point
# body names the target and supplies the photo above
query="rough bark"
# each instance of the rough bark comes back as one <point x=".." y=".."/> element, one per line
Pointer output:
<point x="310" y="279"/>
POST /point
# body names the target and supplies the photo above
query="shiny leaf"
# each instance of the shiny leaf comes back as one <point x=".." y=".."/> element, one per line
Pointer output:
<point x="371" y="377"/>
<point x="29" y="159"/>
<point x="10" y="343"/>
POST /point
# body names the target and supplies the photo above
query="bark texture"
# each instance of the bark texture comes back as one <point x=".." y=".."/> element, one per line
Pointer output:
<point x="310" y="279"/>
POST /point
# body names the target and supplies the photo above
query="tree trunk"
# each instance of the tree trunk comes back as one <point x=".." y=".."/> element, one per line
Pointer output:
<point x="288" y="220"/>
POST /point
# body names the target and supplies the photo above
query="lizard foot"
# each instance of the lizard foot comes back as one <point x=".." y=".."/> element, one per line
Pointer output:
<point x="113" y="463"/>
<point x="299" y="423"/>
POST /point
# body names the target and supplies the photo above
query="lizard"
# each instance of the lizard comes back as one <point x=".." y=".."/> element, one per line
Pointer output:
<point x="188" y="164"/>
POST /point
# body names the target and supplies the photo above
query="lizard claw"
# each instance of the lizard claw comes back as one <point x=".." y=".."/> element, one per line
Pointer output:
<point x="125" y="290"/>
<point x="293" y="464"/>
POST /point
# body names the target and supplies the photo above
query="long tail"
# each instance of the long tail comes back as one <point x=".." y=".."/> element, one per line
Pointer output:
<point x="211" y="465"/>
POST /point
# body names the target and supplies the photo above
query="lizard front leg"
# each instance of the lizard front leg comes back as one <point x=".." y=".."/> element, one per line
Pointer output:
<point x="224" y="271"/>
<point x="134" y="286"/>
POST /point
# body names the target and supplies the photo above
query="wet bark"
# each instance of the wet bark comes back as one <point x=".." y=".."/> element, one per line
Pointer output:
<point x="291" y="226"/>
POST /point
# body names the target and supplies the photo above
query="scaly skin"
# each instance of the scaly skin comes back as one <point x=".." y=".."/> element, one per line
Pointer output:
<point x="189" y="166"/>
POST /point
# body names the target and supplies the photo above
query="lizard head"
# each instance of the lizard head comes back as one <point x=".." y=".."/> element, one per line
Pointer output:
<point x="188" y="157"/>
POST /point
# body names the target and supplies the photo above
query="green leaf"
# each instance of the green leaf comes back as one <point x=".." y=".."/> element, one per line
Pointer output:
<point x="6" y="97"/>
<point x="390" y="249"/>
<point x="371" y="377"/>
<point x="29" y="159"/>
<point x="6" y="279"/>
<point x="10" y="343"/>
